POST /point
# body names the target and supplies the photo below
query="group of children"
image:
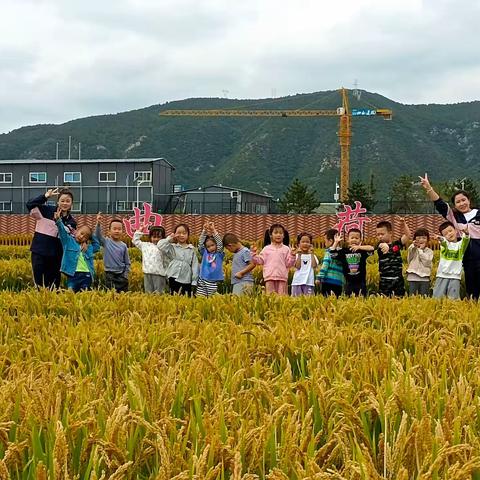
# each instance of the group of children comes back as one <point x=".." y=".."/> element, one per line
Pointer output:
<point x="171" y="263"/>
<point x="347" y="266"/>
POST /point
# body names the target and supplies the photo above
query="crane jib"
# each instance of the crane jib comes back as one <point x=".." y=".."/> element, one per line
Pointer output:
<point x="275" y="113"/>
<point x="251" y="113"/>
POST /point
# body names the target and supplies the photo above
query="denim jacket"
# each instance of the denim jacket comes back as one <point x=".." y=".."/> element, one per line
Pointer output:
<point x="72" y="249"/>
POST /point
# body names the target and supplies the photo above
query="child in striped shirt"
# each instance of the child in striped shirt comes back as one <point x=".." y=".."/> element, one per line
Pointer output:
<point x="330" y="276"/>
<point x="211" y="268"/>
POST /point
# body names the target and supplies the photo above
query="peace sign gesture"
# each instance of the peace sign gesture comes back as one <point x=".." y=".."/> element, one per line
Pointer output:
<point x="57" y="214"/>
<point x="51" y="192"/>
<point x="424" y="181"/>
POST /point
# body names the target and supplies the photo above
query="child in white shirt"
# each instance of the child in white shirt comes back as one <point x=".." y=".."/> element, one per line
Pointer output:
<point x="154" y="262"/>
<point x="303" y="282"/>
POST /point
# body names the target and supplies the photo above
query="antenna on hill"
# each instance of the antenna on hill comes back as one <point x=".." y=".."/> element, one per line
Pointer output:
<point x="225" y="93"/>
<point x="274" y="92"/>
<point x="356" y="92"/>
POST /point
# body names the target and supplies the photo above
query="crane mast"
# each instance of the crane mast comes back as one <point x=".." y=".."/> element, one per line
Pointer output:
<point x="344" y="136"/>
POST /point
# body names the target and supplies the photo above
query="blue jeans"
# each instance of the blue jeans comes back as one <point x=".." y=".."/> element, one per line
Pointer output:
<point x="80" y="281"/>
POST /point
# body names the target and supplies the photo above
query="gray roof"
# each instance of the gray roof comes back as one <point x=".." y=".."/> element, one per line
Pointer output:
<point x="229" y="189"/>
<point x="35" y="161"/>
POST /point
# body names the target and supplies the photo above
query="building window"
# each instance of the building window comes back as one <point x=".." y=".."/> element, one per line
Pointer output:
<point x="107" y="177"/>
<point x="76" y="207"/>
<point x="72" y="177"/>
<point x="5" y="206"/>
<point x="124" y="206"/>
<point x="145" y="176"/>
<point x="38" y="177"/>
<point x="5" y="177"/>
<point x="259" y="208"/>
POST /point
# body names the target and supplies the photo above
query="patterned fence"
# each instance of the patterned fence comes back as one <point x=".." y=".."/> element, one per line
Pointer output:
<point x="247" y="227"/>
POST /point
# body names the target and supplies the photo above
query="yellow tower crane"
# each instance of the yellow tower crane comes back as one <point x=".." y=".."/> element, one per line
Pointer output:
<point x="344" y="132"/>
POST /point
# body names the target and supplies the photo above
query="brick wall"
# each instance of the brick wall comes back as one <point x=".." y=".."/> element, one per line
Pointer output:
<point x="247" y="227"/>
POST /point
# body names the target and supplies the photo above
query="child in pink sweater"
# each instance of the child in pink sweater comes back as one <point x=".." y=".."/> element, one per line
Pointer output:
<point x="276" y="259"/>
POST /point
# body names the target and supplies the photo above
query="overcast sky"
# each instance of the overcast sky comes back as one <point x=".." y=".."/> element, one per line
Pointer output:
<point x="65" y="59"/>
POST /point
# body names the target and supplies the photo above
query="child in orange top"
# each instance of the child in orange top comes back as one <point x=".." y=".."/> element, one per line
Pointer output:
<point x="276" y="259"/>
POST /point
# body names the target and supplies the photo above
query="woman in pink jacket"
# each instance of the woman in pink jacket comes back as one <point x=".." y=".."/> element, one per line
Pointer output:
<point x="276" y="259"/>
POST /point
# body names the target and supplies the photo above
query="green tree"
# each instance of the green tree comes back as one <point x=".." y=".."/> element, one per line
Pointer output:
<point x="359" y="191"/>
<point x="406" y="195"/>
<point x="298" y="199"/>
<point x="447" y="189"/>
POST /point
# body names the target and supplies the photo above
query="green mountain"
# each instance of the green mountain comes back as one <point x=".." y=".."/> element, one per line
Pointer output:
<point x="266" y="154"/>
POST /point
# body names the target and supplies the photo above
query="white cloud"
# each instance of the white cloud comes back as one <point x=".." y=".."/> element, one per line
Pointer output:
<point x="64" y="59"/>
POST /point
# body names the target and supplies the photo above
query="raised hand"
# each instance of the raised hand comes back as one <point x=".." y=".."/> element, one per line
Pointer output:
<point x="51" y="192"/>
<point x="57" y="214"/>
<point x="99" y="217"/>
<point x="384" y="247"/>
<point x="425" y="182"/>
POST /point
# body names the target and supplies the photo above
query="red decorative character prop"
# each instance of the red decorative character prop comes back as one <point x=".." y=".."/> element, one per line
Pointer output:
<point x="351" y="218"/>
<point x="142" y="220"/>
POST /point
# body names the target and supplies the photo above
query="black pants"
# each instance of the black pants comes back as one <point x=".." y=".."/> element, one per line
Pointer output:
<point x="392" y="287"/>
<point x="472" y="279"/>
<point x="356" y="289"/>
<point x="118" y="281"/>
<point x="329" y="288"/>
<point x="179" y="288"/>
<point x="46" y="270"/>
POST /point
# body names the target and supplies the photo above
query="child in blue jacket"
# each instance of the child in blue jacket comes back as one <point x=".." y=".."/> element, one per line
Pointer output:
<point x="211" y="268"/>
<point x="78" y="253"/>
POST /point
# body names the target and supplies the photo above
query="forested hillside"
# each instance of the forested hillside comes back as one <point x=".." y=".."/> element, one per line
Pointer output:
<point x="266" y="154"/>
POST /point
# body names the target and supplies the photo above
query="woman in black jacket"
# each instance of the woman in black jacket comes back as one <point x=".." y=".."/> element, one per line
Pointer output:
<point x="46" y="247"/>
<point x="462" y="213"/>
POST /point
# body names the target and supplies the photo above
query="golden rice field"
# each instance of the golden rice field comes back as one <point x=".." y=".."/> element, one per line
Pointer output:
<point x="16" y="270"/>
<point x="131" y="386"/>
